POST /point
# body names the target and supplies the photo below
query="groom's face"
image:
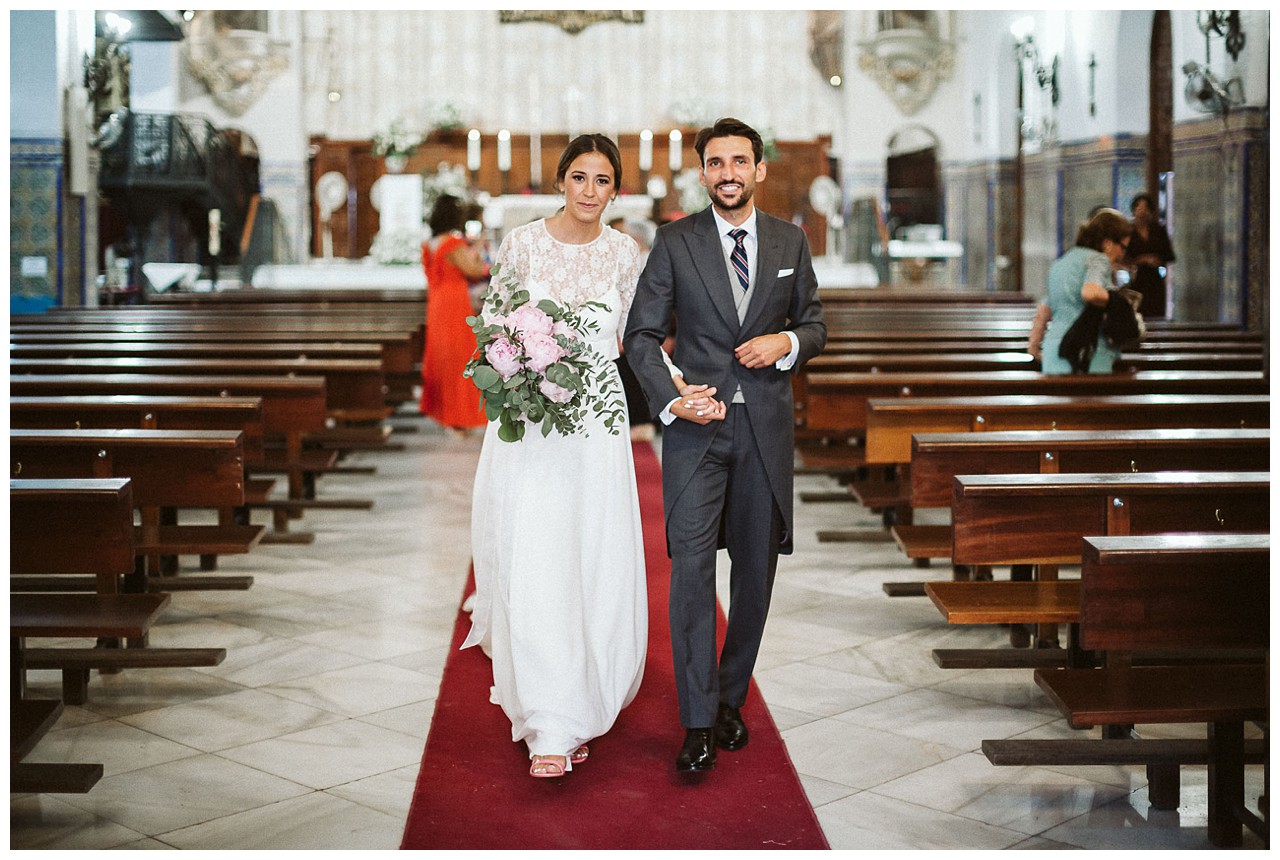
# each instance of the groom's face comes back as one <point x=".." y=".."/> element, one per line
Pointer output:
<point x="730" y="172"/>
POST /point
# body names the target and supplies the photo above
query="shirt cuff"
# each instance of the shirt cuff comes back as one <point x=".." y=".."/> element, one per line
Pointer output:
<point x="788" y="361"/>
<point x="666" y="416"/>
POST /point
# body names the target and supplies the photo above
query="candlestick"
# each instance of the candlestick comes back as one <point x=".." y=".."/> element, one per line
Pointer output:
<point x="646" y="150"/>
<point x="674" y="156"/>
<point x="535" y="160"/>
<point x="473" y="150"/>
<point x="504" y="150"/>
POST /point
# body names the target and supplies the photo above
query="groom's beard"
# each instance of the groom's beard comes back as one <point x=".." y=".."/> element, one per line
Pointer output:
<point x="743" y="199"/>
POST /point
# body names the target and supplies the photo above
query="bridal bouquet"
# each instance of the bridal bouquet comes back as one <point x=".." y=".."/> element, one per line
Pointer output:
<point x="533" y="367"/>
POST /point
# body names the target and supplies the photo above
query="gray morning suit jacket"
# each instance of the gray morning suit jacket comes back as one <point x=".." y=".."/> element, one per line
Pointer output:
<point x="686" y="276"/>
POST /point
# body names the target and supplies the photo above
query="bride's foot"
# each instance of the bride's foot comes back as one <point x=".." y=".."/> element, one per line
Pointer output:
<point x="547" y="766"/>
<point x="579" y="755"/>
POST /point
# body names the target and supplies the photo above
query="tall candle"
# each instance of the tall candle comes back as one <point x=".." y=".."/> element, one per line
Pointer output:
<point x="215" y="232"/>
<point x="473" y="150"/>
<point x="504" y="150"/>
<point x="646" y="150"/>
<point x="674" y="156"/>
<point x="535" y="133"/>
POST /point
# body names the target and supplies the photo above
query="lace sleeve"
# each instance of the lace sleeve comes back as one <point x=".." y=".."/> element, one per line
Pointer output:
<point x="512" y="265"/>
<point x="631" y="266"/>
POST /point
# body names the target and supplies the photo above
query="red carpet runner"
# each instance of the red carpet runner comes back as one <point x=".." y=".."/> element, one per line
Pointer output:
<point x="474" y="790"/>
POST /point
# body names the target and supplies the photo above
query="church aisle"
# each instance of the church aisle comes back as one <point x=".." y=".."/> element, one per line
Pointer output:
<point x="309" y="735"/>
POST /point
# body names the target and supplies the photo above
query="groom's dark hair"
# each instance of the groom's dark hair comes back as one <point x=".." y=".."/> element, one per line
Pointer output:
<point x="729" y="127"/>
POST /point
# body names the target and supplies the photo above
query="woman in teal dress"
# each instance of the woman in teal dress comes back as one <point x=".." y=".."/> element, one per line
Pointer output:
<point x="1080" y="277"/>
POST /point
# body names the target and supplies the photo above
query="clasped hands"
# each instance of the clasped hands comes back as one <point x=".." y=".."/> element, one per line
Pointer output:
<point x="697" y="403"/>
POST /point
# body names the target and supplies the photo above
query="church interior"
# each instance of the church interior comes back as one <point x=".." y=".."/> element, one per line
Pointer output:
<point x="217" y="295"/>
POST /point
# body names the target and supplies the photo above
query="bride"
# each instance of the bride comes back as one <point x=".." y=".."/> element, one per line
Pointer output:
<point x="560" y="603"/>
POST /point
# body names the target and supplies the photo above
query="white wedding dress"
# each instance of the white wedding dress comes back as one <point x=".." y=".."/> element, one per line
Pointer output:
<point x="560" y="603"/>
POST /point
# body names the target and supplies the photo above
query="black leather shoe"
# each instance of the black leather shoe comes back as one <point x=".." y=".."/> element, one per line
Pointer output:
<point x="698" y="752"/>
<point x="731" y="731"/>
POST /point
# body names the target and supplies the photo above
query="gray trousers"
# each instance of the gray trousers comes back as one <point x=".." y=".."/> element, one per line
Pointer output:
<point x="730" y="484"/>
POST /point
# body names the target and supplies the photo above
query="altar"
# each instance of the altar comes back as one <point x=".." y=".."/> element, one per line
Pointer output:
<point x="340" y="274"/>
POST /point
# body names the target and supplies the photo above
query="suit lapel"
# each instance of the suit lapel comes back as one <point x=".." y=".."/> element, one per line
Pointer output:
<point x="768" y="259"/>
<point x="708" y="258"/>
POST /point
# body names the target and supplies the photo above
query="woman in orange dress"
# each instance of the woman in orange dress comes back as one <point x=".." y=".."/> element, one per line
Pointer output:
<point x="452" y="265"/>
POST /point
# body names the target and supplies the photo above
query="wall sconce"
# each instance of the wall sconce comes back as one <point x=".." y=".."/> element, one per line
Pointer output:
<point x="1041" y="125"/>
<point x="1221" y="24"/>
<point x="1025" y="50"/>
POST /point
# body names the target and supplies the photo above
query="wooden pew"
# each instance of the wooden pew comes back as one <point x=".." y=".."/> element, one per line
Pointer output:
<point x="169" y="469"/>
<point x="936" y="458"/>
<point x="72" y="528"/>
<point x="393" y="349"/>
<point x="918" y="362"/>
<point x="90" y="412"/>
<point x="354" y="389"/>
<point x="293" y="409"/>
<point x="891" y="422"/>
<point x="1134" y="361"/>
<point x="1140" y="595"/>
<point x="836" y="403"/>
<point x="1040" y="519"/>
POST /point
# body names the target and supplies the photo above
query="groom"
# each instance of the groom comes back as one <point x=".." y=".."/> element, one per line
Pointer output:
<point x="741" y="288"/>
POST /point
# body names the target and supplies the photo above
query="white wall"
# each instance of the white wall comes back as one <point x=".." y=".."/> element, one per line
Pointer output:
<point x="35" y="109"/>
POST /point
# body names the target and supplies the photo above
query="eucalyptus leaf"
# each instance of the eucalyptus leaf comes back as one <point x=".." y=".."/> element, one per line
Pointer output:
<point x="485" y="377"/>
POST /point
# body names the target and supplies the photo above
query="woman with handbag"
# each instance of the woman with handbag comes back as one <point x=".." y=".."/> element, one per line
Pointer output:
<point x="1066" y="334"/>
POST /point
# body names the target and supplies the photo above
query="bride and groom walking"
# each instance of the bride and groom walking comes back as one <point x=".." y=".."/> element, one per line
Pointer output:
<point x="556" y="539"/>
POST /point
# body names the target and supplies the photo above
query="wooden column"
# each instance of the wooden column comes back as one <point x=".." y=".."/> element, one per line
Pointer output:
<point x="1160" y="102"/>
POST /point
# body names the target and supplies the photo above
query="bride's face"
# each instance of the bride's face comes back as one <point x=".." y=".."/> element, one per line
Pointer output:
<point x="588" y="187"/>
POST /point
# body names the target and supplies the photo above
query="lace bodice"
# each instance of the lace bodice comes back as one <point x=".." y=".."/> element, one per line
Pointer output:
<point x="603" y="270"/>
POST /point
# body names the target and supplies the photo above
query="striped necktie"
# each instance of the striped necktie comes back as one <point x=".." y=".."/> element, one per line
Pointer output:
<point x="738" y="258"/>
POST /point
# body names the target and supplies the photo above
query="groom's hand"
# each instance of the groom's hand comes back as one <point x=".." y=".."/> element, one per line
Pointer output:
<point x="698" y="405"/>
<point x="763" y="351"/>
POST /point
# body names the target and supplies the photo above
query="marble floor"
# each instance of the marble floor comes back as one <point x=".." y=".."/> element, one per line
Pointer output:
<point x="308" y="736"/>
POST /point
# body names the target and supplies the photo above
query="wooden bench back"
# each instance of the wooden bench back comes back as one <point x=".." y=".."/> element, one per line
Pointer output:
<point x="1175" y="591"/>
<point x="90" y="412"/>
<point x="289" y="403"/>
<point x="168" y="468"/>
<point x="76" y="526"/>
<point x="1041" y="519"/>
<point x="936" y="458"/>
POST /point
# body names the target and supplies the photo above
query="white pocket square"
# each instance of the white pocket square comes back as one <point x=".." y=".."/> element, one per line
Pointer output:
<point x="782" y="273"/>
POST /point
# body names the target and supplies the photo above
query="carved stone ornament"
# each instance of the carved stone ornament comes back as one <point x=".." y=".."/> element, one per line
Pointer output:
<point x="907" y="57"/>
<point x="572" y="22"/>
<point x="234" y="61"/>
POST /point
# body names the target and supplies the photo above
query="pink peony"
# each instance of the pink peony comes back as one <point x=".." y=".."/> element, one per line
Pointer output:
<point x="542" y="351"/>
<point x="528" y="320"/>
<point x="563" y="328"/>
<point x="554" y="392"/>
<point x="504" y="357"/>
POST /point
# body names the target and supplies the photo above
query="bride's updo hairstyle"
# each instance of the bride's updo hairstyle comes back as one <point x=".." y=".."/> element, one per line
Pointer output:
<point x="585" y="143"/>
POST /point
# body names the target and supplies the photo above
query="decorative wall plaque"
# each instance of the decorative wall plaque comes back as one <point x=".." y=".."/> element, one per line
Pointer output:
<point x="572" y="22"/>
<point x="908" y="54"/>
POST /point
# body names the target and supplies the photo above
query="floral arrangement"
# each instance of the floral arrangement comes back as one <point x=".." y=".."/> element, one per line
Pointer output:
<point x="693" y="197"/>
<point x="533" y="367"/>
<point x="397" y="246"/>
<point x="448" y="179"/>
<point x="396" y="139"/>
<point x="444" y="116"/>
